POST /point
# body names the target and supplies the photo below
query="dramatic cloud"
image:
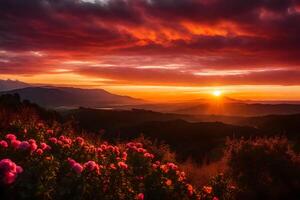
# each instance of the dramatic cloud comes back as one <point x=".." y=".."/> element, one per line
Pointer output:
<point x="153" y="42"/>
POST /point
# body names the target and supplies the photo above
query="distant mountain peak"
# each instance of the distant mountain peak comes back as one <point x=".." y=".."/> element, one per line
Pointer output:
<point x="8" y="84"/>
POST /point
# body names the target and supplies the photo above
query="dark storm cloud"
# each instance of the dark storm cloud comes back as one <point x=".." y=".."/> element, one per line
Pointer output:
<point x="57" y="23"/>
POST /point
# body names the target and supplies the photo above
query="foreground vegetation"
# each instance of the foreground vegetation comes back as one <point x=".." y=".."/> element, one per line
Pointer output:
<point x="43" y="159"/>
<point x="38" y="162"/>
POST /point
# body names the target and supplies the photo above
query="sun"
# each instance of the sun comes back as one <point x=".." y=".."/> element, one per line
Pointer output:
<point x="217" y="93"/>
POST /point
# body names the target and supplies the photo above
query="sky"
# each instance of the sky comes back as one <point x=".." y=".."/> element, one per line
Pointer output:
<point x="155" y="49"/>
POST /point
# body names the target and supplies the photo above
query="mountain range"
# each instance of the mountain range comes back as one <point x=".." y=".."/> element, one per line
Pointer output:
<point x="68" y="97"/>
<point x="65" y="97"/>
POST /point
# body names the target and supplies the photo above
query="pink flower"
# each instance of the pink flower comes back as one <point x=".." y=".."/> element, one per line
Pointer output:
<point x="15" y="143"/>
<point x="62" y="137"/>
<point x="33" y="146"/>
<point x="99" y="150"/>
<point x="190" y="189"/>
<point x="77" y="168"/>
<point x="65" y="139"/>
<point x="45" y="146"/>
<point x="68" y="141"/>
<point x="122" y="165"/>
<point x="11" y="136"/>
<point x="50" y="132"/>
<point x="92" y="166"/>
<point x="172" y="166"/>
<point x="149" y="155"/>
<point x="110" y="147"/>
<point x="53" y="140"/>
<point x="39" y="151"/>
<point x="139" y="145"/>
<point x="3" y="144"/>
<point x="10" y="170"/>
<point x="80" y="141"/>
<point x="112" y="166"/>
<point x="103" y="146"/>
<point x="71" y="161"/>
<point x="207" y="189"/>
<point x="134" y="148"/>
<point x="168" y="182"/>
<point x="124" y="155"/>
<point x="7" y="165"/>
<point x="181" y="175"/>
<point x="140" y="196"/>
<point x="19" y="169"/>
<point x="130" y="145"/>
<point x="9" y="178"/>
<point x="31" y="141"/>
<point x="164" y="168"/>
<point x="141" y="150"/>
<point x="24" y="145"/>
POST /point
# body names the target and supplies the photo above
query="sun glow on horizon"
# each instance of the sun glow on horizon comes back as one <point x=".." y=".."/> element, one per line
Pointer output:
<point x="162" y="93"/>
<point x="217" y="93"/>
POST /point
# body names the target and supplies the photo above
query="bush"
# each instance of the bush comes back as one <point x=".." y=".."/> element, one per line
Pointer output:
<point x="201" y="174"/>
<point x="264" y="168"/>
<point x="223" y="187"/>
<point x="37" y="162"/>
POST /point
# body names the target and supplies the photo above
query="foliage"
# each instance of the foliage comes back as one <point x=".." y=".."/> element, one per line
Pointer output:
<point x="264" y="168"/>
<point x="223" y="187"/>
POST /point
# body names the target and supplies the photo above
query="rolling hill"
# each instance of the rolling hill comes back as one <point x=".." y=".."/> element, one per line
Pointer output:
<point x="224" y="107"/>
<point x="184" y="135"/>
<point x="235" y="109"/>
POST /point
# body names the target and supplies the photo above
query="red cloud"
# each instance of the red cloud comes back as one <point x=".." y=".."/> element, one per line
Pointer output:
<point x="126" y="35"/>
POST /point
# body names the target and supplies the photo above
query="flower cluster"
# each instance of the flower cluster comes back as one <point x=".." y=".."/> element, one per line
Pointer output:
<point x="138" y="147"/>
<point x="9" y="171"/>
<point x="26" y="145"/>
<point x="78" y="168"/>
<point x="68" y="164"/>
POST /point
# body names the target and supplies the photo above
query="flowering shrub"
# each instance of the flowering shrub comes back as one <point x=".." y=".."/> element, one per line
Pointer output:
<point x="222" y="187"/>
<point x="43" y="163"/>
